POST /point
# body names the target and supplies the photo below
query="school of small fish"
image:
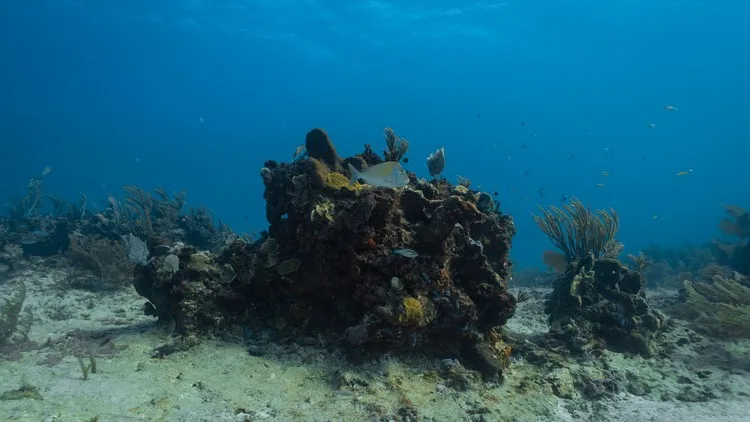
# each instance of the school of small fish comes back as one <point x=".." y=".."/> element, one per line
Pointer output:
<point x="392" y="175"/>
<point x="604" y="173"/>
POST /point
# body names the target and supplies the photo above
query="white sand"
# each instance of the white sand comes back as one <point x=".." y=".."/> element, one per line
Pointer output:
<point x="219" y="381"/>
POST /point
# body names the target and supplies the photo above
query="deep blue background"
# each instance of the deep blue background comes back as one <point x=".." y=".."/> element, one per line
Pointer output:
<point x="113" y="92"/>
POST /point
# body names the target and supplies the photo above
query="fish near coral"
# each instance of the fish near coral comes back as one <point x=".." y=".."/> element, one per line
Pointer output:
<point x="406" y="253"/>
<point x="389" y="174"/>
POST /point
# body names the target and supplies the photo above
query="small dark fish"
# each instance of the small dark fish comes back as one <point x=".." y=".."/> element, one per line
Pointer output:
<point x="524" y="146"/>
<point x="571" y="156"/>
<point x="564" y="198"/>
<point x="426" y="278"/>
<point x="478" y="116"/>
<point x="405" y="160"/>
<point x="540" y="191"/>
<point x="523" y="123"/>
<point x="495" y="193"/>
<point x="525" y="172"/>
<point x="406" y="253"/>
<point x="246" y="218"/>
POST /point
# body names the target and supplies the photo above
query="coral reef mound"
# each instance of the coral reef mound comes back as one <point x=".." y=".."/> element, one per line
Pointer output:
<point x="374" y="269"/>
<point x="601" y="300"/>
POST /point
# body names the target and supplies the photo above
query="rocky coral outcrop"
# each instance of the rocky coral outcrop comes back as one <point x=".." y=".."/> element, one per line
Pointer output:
<point x="420" y="268"/>
<point x="601" y="302"/>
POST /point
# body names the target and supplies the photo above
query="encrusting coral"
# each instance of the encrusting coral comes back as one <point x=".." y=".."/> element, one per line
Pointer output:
<point x="451" y="292"/>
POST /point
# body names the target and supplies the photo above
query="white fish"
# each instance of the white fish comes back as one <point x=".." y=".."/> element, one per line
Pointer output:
<point x="389" y="174"/>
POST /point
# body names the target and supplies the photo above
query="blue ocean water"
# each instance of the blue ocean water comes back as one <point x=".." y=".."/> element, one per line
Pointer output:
<point x="523" y="95"/>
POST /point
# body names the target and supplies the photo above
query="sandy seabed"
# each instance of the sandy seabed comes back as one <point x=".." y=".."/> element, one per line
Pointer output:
<point x="704" y="380"/>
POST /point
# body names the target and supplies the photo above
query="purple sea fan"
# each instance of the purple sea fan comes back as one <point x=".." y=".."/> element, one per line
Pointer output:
<point x="436" y="162"/>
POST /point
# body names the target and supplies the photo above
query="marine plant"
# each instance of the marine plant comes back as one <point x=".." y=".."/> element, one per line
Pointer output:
<point x="396" y="146"/>
<point x="737" y="223"/>
<point x="596" y="298"/>
<point x="15" y="319"/>
<point x="641" y="261"/>
<point x="735" y="254"/>
<point x="463" y="181"/>
<point x="151" y="212"/>
<point x="578" y="232"/>
<point x="100" y="263"/>
<point x="720" y="308"/>
<point x="436" y="162"/>
<point x="685" y="258"/>
<point x="30" y="204"/>
<point x="160" y="218"/>
<point x="87" y="369"/>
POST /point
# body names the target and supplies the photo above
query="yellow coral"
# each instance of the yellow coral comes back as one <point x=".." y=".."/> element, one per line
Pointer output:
<point x="323" y="210"/>
<point x="575" y="285"/>
<point x="503" y="349"/>
<point x="336" y="181"/>
<point x="413" y="312"/>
